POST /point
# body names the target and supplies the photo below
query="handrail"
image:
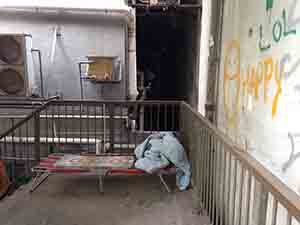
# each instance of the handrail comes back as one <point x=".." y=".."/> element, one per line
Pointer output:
<point x="62" y="102"/>
<point x="287" y="197"/>
<point x="27" y="118"/>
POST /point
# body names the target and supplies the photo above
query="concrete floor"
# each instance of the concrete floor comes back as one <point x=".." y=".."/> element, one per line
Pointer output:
<point x="76" y="201"/>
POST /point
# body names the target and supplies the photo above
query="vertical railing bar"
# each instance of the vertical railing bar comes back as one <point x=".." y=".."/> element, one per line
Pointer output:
<point x="103" y="114"/>
<point x="221" y="182"/>
<point x="18" y="153"/>
<point x="288" y="219"/>
<point x="1" y="150"/>
<point x="209" y="173"/>
<point x="201" y="181"/>
<point x="5" y="147"/>
<point x="121" y="129"/>
<point x="88" y="127"/>
<point x="58" y="125"/>
<point x="151" y="118"/>
<point x="263" y="205"/>
<point x="158" y="117"/>
<point x="47" y="129"/>
<point x="112" y="125"/>
<point x="228" y="190"/>
<point x="73" y="123"/>
<point x="222" y="200"/>
<point x="52" y="112"/>
<point x="274" y="211"/>
<point x="95" y="125"/>
<point x="214" y="184"/>
<point x="211" y="160"/>
<point x="138" y="115"/>
<point x="66" y="122"/>
<point x="37" y="136"/>
<point x="13" y="152"/>
<point x="173" y="116"/>
<point x="166" y="116"/>
<point x="218" y="185"/>
<point x="248" y="200"/>
<point x="209" y="176"/>
<point x="241" y="196"/>
<point x="24" y="150"/>
<point x="202" y="165"/>
<point x="128" y="131"/>
<point x="216" y="176"/>
<point x="199" y="169"/>
<point x="234" y="189"/>
<point x="205" y="169"/>
<point x="208" y="170"/>
<point x="80" y="124"/>
<point x="27" y="147"/>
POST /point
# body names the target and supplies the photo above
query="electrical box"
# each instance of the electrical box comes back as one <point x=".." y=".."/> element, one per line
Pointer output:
<point x="104" y="68"/>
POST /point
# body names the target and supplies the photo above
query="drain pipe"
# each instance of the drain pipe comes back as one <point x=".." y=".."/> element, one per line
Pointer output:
<point x="132" y="76"/>
<point x="204" y="54"/>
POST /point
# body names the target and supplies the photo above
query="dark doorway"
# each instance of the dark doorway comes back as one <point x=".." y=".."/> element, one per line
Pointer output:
<point x="159" y="44"/>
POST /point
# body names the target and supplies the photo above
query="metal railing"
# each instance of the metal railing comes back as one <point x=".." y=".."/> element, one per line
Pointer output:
<point x="85" y="127"/>
<point x="230" y="185"/>
<point x="14" y="109"/>
<point x="15" y="147"/>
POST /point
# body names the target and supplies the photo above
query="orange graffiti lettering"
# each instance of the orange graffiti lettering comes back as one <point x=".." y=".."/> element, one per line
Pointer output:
<point x="256" y="78"/>
<point x="279" y="89"/>
<point x="232" y="74"/>
<point x="268" y="73"/>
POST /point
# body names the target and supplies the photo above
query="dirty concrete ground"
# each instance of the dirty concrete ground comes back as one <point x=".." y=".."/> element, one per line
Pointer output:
<point x="75" y="200"/>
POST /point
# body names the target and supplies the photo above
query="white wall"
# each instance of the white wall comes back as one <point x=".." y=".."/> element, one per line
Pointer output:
<point x="91" y="4"/>
<point x="81" y="35"/>
<point x="259" y="95"/>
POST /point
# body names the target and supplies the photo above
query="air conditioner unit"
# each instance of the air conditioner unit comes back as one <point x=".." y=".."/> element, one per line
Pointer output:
<point x="13" y="65"/>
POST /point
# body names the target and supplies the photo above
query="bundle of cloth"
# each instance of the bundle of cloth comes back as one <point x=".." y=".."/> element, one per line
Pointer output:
<point x="159" y="151"/>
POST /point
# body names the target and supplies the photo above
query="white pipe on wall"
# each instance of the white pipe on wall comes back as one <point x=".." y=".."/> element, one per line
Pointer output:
<point x="204" y="54"/>
<point x="132" y="56"/>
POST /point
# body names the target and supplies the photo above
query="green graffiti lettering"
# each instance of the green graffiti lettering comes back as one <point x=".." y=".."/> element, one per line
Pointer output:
<point x="277" y="31"/>
<point x="262" y="47"/>
<point x="286" y="26"/>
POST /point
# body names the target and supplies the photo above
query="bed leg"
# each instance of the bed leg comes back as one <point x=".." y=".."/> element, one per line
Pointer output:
<point x="164" y="183"/>
<point x="38" y="180"/>
<point x="100" y="184"/>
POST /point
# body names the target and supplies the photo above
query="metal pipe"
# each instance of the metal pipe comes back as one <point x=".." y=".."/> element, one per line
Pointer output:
<point x="68" y="11"/>
<point x="274" y="211"/>
<point x="132" y="56"/>
<point x="204" y="54"/>
<point x="80" y="76"/>
<point x="218" y="56"/>
<point x="41" y="71"/>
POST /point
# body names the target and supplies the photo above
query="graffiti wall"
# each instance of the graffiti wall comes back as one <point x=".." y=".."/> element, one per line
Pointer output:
<point x="259" y="95"/>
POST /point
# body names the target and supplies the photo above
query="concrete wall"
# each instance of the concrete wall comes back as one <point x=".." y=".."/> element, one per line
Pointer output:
<point x="259" y="84"/>
<point x="188" y="59"/>
<point x="80" y="36"/>
<point x="259" y="87"/>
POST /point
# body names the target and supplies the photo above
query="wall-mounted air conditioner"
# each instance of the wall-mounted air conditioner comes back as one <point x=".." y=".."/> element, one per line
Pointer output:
<point x="13" y="65"/>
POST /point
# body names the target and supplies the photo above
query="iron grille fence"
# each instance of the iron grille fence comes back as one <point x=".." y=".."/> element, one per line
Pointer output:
<point x="229" y="185"/>
<point x="86" y="127"/>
